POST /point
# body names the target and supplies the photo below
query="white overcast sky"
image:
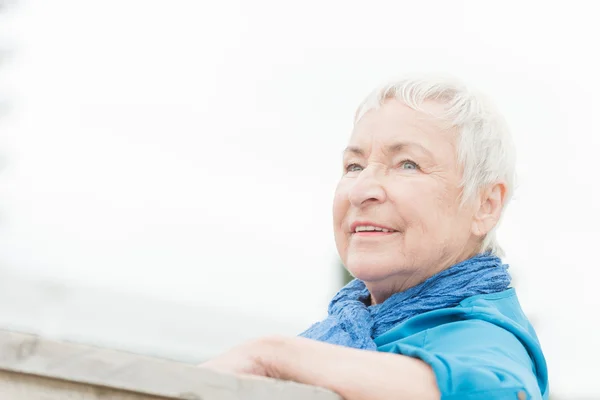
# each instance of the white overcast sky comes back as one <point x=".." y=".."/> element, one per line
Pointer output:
<point x="188" y="151"/>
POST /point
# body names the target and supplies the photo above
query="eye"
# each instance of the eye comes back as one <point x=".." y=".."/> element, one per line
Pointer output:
<point x="409" y="165"/>
<point x="353" y="168"/>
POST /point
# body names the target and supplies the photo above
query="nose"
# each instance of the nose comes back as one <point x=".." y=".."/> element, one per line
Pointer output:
<point x="367" y="189"/>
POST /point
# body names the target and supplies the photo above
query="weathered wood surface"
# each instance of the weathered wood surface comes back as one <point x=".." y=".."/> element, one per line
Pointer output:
<point x="33" y="368"/>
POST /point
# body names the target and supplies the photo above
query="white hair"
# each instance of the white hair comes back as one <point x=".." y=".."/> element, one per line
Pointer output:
<point x="485" y="148"/>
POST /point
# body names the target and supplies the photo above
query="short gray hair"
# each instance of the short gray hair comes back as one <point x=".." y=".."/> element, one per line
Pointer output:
<point x="485" y="147"/>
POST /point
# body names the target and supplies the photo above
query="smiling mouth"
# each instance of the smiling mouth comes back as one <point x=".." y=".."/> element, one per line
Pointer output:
<point x="373" y="233"/>
<point x="371" y="230"/>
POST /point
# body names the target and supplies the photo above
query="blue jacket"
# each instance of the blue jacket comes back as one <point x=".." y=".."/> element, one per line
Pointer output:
<point x="484" y="348"/>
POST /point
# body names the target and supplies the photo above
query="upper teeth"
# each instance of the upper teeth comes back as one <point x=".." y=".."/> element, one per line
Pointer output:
<point x="371" y="228"/>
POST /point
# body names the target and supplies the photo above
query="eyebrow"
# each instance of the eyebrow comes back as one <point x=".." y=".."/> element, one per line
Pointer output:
<point x="393" y="148"/>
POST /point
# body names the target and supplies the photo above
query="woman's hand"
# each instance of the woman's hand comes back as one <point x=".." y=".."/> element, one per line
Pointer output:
<point x="353" y="374"/>
<point x="253" y="357"/>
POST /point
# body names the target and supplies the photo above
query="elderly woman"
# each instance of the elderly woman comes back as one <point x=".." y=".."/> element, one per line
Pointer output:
<point x="427" y="174"/>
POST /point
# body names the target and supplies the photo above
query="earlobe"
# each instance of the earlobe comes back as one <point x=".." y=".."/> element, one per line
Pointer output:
<point x="491" y="204"/>
<point x="476" y="228"/>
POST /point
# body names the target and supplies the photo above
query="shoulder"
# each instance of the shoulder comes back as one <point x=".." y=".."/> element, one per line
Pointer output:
<point x="493" y="312"/>
<point x="488" y="336"/>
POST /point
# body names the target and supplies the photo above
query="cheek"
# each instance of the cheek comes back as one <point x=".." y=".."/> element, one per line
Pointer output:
<point x="423" y="209"/>
<point x="416" y="202"/>
<point x="434" y="214"/>
<point x="341" y="204"/>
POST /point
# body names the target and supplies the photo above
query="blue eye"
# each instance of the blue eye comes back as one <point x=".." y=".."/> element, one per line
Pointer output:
<point x="409" y="165"/>
<point x="353" y="168"/>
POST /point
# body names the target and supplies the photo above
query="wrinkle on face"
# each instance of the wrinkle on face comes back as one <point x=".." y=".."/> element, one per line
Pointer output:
<point x="423" y="204"/>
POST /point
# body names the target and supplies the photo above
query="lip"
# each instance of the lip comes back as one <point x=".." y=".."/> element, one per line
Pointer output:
<point x="370" y="233"/>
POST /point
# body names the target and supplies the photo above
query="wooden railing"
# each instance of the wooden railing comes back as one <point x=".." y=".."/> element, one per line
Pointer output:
<point x="34" y="368"/>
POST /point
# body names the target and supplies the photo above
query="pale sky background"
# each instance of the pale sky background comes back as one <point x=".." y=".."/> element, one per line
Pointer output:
<point x="169" y="167"/>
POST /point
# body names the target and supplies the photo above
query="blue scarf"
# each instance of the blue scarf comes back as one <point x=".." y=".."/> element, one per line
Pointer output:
<point x="352" y="323"/>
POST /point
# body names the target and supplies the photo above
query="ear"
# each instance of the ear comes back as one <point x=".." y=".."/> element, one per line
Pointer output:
<point x="491" y="201"/>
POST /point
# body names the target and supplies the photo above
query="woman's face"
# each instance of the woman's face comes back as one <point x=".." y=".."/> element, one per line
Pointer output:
<point x="401" y="174"/>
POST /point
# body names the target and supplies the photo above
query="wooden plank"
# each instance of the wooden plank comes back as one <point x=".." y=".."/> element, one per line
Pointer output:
<point x="39" y="369"/>
<point x="17" y="386"/>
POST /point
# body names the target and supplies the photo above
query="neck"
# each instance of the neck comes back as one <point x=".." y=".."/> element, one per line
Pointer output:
<point x="381" y="290"/>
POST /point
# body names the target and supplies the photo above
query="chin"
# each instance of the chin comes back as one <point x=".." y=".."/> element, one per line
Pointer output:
<point x="374" y="269"/>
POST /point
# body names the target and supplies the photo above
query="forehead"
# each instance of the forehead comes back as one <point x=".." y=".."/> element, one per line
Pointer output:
<point x="395" y="122"/>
